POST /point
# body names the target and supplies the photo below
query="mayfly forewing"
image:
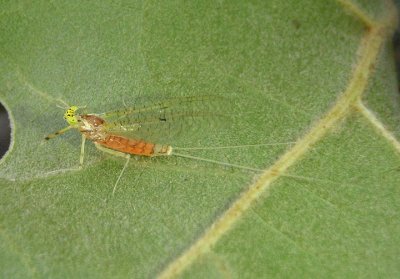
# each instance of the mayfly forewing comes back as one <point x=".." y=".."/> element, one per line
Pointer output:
<point x="152" y="121"/>
<point x="161" y="128"/>
<point x="176" y="102"/>
<point x="166" y="123"/>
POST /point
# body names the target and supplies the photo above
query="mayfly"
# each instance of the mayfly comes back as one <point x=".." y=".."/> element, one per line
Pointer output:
<point x="108" y="131"/>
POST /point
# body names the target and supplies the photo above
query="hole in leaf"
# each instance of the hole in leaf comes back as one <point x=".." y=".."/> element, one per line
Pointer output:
<point x="5" y="131"/>
<point x="396" y="46"/>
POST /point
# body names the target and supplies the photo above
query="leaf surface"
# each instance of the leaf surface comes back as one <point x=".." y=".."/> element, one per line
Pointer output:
<point x="317" y="74"/>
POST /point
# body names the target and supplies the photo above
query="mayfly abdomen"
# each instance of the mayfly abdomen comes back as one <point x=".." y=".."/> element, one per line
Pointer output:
<point x="135" y="147"/>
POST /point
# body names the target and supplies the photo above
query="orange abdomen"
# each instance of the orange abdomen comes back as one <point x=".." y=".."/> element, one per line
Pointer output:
<point x="135" y="147"/>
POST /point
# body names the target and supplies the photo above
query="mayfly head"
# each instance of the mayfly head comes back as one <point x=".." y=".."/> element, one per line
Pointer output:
<point x="72" y="118"/>
<point x="70" y="115"/>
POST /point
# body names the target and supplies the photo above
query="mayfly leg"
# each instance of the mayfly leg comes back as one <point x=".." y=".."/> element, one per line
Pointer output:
<point x="60" y="132"/>
<point x="82" y="155"/>
<point x="115" y="153"/>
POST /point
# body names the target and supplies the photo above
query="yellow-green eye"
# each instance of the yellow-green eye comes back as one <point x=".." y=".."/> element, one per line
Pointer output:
<point x="70" y="116"/>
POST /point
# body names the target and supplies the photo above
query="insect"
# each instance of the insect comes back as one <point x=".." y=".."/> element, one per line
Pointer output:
<point x="130" y="131"/>
<point x="109" y="130"/>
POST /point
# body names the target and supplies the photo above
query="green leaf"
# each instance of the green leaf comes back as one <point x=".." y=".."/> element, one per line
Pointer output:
<point x="316" y="73"/>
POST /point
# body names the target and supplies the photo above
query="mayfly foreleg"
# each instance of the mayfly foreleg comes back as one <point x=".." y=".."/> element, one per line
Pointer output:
<point x="62" y="104"/>
<point x="60" y="132"/>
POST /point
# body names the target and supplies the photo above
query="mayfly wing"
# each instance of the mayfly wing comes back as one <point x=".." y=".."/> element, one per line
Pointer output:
<point x="164" y="127"/>
<point x="177" y="102"/>
<point x="164" y="121"/>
